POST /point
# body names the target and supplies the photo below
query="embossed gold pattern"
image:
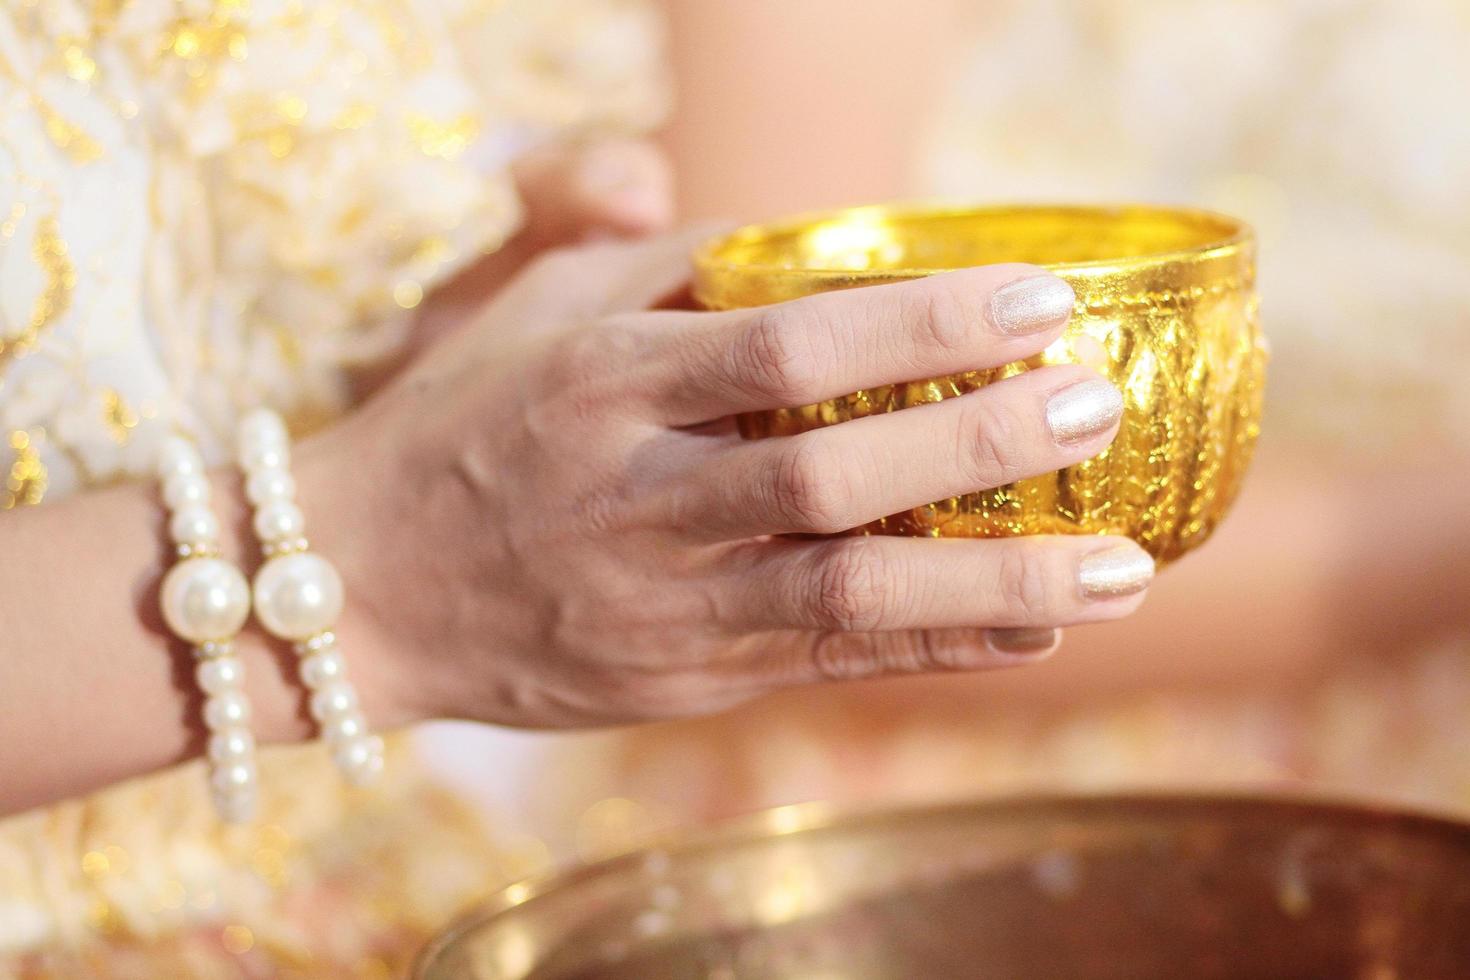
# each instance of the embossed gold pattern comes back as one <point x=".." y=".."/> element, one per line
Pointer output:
<point x="1167" y="294"/>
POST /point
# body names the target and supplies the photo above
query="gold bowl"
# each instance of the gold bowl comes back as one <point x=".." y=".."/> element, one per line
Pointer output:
<point x="1090" y="888"/>
<point x="1166" y="308"/>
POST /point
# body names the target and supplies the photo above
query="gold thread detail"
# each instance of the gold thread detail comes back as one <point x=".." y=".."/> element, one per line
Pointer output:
<point x="442" y="139"/>
<point x="25" y="484"/>
<point x="68" y="137"/>
<point x="48" y="248"/>
<point x="119" y="416"/>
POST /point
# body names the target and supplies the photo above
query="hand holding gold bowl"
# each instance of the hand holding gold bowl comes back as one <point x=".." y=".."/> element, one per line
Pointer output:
<point x="1165" y="308"/>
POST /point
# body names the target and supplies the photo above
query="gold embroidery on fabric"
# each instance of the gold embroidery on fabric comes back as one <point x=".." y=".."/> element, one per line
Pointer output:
<point x="9" y="225"/>
<point x="356" y="116"/>
<point x="67" y="135"/>
<point x="442" y="139"/>
<point x="25" y="484"/>
<point x="76" y="61"/>
<point x="119" y="416"/>
<point x="200" y="44"/>
<point x="49" y="251"/>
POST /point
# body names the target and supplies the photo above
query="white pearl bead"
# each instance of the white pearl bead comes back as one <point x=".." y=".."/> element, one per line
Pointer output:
<point x="205" y="599"/>
<point x="360" y="759"/>
<point x="270" y="485"/>
<point x="230" y="709"/>
<point x="322" y="668"/>
<point x="177" y="456"/>
<point x="229" y="745"/>
<point x="336" y="698"/>
<point x="262" y="424"/>
<point x="298" y="595"/>
<point x="278" y="520"/>
<point x="343" y="727"/>
<point x="234" y="776"/>
<point x="193" y="524"/>
<point x="235" y="805"/>
<point x="264" y="455"/>
<point x="238" y="807"/>
<point x="183" y="489"/>
<point x="219" y="674"/>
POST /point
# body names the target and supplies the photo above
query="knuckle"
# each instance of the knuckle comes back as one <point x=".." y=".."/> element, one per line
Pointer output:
<point x="570" y="357"/>
<point x="773" y="358"/>
<point x="933" y="310"/>
<point x="1027" y="591"/>
<point x="593" y="347"/>
<point x="584" y="366"/>
<point x="601" y="511"/>
<point x="928" y="652"/>
<point x="807" y="490"/>
<point x="837" y="657"/>
<point x="852" y="593"/>
<point x="994" y="441"/>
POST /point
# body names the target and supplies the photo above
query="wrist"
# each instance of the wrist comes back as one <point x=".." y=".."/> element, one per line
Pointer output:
<point x="338" y="512"/>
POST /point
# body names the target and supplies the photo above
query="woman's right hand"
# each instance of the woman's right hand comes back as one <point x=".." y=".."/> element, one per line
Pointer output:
<point x="548" y="520"/>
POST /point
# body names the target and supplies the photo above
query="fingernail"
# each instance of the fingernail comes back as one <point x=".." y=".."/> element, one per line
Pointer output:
<point x="1114" y="572"/>
<point x="1082" y="410"/>
<point x="1025" y="642"/>
<point x="1031" y="305"/>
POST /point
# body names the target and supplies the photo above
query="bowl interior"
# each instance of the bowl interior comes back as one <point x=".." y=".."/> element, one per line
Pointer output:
<point x="915" y="241"/>
<point x="1085" y="888"/>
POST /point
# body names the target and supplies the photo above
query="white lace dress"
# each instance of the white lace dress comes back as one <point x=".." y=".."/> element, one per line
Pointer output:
<point x="207" y="205"/>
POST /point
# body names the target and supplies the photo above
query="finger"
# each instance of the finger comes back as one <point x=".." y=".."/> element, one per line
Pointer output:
<point x="878" y="584"/>
<point x="787" y="659"/>
<point x="830" y="344"/>
<point x="569" y="285"/>
<point x="843" y="476"/>
<point x="1026" y="642"/>
<point x="570" y="194"/>
<point x="604" y="189"/>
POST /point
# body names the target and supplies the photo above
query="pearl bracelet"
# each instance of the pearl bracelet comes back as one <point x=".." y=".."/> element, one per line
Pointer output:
<point x="298" y="596"/>
<point x="205" y="600"/>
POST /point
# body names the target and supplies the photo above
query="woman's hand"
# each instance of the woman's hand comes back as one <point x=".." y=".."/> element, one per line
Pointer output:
<point x="574" y="193"/>
<point x="548" y="521"/>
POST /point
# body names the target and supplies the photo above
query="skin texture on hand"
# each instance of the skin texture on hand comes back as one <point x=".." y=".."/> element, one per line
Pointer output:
<point x="548" y="521"/>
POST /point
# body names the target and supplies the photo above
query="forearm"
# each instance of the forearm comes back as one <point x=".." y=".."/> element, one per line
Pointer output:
<point x="95" y="690"/>
<point x="792" y="106"/>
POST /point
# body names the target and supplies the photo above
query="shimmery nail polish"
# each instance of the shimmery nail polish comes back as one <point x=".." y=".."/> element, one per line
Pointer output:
<point x="1115" y="572"/>
<point x="1031" y="305"/>
<point x="1022" y="642"/>
<point x="1082" y="410"/>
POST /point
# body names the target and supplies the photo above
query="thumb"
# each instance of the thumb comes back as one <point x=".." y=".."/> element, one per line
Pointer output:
<point x="617" y="188"/>
<point x="610" y="189"/>
<point x="607" y="189"/>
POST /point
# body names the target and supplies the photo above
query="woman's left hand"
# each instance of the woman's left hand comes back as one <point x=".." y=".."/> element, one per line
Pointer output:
<point x="548" y="520"/>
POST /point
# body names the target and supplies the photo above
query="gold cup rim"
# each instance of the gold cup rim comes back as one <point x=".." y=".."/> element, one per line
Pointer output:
<point x="720" y="278"/>
<point x="1296" y="805"/>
